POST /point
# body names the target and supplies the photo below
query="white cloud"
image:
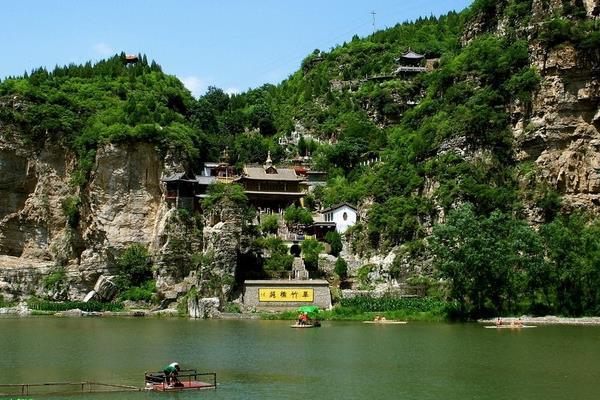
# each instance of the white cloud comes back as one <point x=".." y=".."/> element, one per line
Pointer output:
<point x="231" y="91"/>
<point x="194" y="84"/>
<point x="103" y="49"/>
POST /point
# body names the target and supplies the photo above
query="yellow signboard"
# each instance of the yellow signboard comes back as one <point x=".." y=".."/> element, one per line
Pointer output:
<point x="286" y="294"/>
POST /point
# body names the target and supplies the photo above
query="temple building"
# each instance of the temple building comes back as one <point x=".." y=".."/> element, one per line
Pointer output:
<point x="410" y="62"/>
<point x="213" y="172"/>
<point x="181" y="190"/>
<point x="185" y="190"/>
<point x="271" y="188"/>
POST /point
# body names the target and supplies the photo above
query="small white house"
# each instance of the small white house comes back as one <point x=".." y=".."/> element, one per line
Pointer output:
<point x="344" y="215"/>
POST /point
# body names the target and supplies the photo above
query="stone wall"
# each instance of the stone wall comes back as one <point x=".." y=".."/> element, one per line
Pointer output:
<point x="322" y="294"/>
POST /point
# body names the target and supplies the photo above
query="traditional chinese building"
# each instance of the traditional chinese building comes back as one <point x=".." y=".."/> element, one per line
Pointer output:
<point x="272" y="188"/>
<point x="410" y="62"/>
<point x="181" y="189"/>
<point x="185" y="190"/>
<point x="342" y="215"/>
<point x="131" y="58"/>
<point x="213" y="172"/>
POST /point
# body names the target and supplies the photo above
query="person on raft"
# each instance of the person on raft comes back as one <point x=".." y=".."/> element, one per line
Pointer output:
<point x="303" y="319"/>
<point x="171" y="372"/>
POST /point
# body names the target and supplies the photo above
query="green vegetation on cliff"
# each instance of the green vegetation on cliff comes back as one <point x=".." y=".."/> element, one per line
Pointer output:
<point x="82" y="107"/>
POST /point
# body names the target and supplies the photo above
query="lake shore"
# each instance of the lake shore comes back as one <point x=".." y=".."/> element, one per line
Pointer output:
<point x="547" y="320"/>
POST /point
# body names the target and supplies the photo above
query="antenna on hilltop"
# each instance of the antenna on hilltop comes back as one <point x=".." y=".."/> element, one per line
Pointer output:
<point x="373" y="14"/>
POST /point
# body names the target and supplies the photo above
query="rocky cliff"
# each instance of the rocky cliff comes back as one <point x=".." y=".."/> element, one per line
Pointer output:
<point x="560" y="133"/>
<point x="122" y="203"/>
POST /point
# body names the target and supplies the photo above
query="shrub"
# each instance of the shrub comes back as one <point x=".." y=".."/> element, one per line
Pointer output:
<point x="272" y="244"/>
<point x="363" y="273"/>
<point x="3" y="303"/>
<point x="550" y="202"/>
<point x="297" y="215"/>
<point x="134" y="266"/>
<point x="389" y="303"/>
<point x="280" y="259"/>
<point x="269" y="224"/>
<point x="279" y="262"/>
<point x="144" y="292"/>
<point x="310" y="250"/>
<point x="335" y="241"/>
<point x="70" y="207"/>
<point x="54" y="279"/>
<point x="218" y="192"/>
<point x="341" y="268"/>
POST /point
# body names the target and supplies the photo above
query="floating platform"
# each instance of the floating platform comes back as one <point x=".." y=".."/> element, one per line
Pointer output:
<point x="509" y="326"/>
<point x="186" y="385"/>
<point x="188" y="379"/>
<point x="386" y="322"/>
<point x="305" y="326"/>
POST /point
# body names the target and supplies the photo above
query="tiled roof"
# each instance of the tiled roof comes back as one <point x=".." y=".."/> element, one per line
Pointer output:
<point x="205" y="180"/>
<point x="283" y="174"/>
<point x="411" y="54"/>
<point x="337" y="206"/>
<point x="179" y="176"/>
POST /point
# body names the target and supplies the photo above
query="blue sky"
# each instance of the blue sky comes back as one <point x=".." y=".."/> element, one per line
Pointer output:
<point x="232" y="44"/>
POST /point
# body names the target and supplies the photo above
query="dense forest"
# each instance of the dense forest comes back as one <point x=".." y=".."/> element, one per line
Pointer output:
<point x="492" y="259"/>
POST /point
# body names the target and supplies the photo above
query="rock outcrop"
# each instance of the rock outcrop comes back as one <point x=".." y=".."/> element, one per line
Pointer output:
<point x="560" y="133"/>
<point x="222" y="242"/>
<point x="121" y="204"/>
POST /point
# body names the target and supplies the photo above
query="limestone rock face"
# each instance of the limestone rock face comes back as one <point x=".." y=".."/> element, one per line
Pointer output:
<point x="121" y="204"/>
<point x="18" y="276"/>
<point x="32" y="186"/>
<point x="204" y="308"/>
<point x="222" y="241"/>
<point x="560" y="134"/>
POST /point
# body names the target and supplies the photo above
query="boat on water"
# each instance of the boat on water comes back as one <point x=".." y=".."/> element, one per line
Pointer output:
<point x="314" y="324"/>
<point x="386" y="322"/>
<point x="308" y="318"/>
<point x="187" y="379"/>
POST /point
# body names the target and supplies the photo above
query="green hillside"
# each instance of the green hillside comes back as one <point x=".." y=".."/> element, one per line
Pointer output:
<point x="83" y="106"/>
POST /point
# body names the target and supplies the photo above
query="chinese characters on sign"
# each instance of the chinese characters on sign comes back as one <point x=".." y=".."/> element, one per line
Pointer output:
<point x="286" y="294"/>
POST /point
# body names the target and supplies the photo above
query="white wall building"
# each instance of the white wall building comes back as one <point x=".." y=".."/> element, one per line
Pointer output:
<point x="344" y="215"/>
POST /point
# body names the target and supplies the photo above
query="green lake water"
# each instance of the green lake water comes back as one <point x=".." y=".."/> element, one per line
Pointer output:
<point x="341" y="360"/>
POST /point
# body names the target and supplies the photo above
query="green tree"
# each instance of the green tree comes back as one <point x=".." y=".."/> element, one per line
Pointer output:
<point x="335" y="242"/>
<point x="219" y="192"/>
<point x="573" y="250"/>
<point x="311" y="248"/>
<point x="279" y="258"/>
<point x="486" y="260"/>
<point x="134" y="266"/>
<point x="297" y="215"/>
<point x="269" y="224"/>
<point x="341" y="268"/>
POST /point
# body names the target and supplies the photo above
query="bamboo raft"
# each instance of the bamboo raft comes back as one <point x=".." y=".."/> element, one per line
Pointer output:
<point x="386" y="322"/>
<point x="188" y="379"/>
<point x="301" y="326"/>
